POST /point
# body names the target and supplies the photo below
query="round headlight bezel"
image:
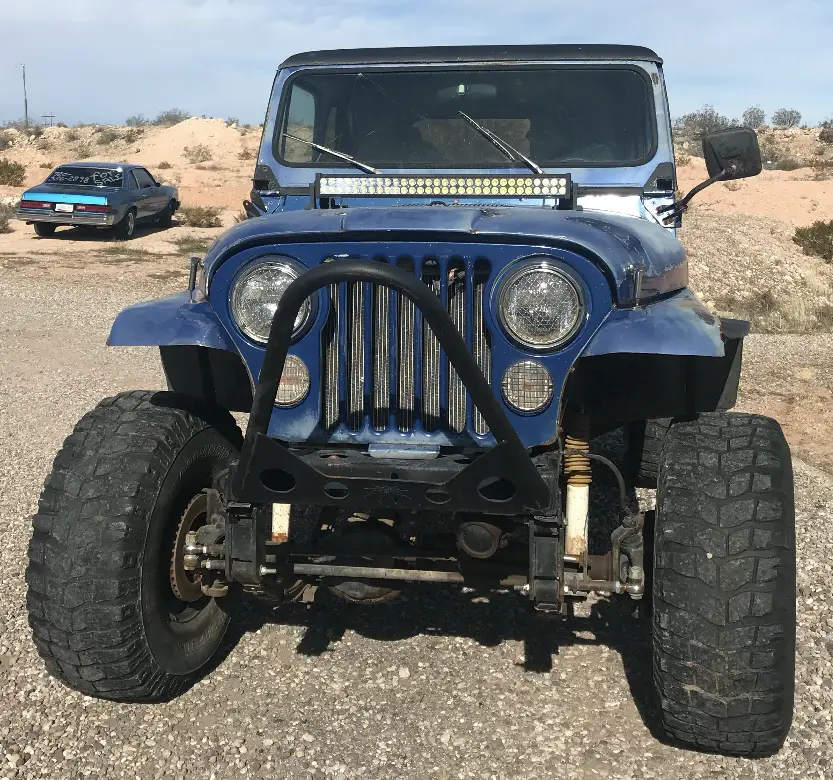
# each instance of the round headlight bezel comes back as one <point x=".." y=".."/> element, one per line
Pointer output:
<point x="525" y="267"/>
<point x="286" y="264"/>
<point x="546" y="376"/>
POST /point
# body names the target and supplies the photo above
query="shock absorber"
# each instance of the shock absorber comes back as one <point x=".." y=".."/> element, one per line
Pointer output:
<point x="579" y="476"/>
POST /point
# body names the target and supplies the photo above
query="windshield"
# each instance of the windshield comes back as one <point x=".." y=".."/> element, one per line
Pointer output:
<point x="86" y="177"/>
<point x="559" y="116"/>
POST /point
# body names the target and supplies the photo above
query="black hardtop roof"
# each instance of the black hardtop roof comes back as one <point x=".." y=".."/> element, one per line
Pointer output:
<point x="458" y="54"/>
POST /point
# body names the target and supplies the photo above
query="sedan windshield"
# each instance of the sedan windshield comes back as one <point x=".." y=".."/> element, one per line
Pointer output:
<point x="86" y="177"/>
<point x="557" y="116"/>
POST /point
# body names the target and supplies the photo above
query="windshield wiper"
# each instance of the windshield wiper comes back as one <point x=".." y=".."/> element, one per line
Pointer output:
<point x="508" y="150"/>
<point x="334" y="153"/>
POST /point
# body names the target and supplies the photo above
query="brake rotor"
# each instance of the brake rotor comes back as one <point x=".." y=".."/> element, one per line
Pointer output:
<point x="187" y="585"/>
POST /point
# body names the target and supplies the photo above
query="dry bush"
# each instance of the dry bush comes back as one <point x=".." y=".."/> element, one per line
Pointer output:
<point x="173" y="116"/>
<point x="733" y="186"/>
<point x="83" y="152"/>
<point x="786" y="117"/>
<point x="137" y="120"/>
<point x="232" y="120"/>
<point x="201" y="216"/>
<point x="246" y="154"/>
<point x="754" y="117"/>
<point x="816" y="240"/>
<point x="790" y="164"/>
<point x="823" y="169"/>
<point x="197" y="154"/>
<point x="826" y="134"/>
<point x="47" y="165"/>
<point x="192" y="245"/>
<point x="164" y="165"/>
<point x="5" y="141"/>
<point x="240" y="216"/>
<point x="107" y="137"/>
<point x="72" y="136"/>
<point x="133" y="135"/>
<point x="12" y="173"/>
<point x="771" y="314"/>
<point x="6" y="214"/>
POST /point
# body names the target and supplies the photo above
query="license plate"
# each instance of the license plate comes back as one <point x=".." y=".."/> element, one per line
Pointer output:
<point x="64" y="207"/>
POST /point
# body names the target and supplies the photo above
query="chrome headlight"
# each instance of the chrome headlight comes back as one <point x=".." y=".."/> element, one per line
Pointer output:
<point x="255" y="297"/>
<point x="540" y="306"/>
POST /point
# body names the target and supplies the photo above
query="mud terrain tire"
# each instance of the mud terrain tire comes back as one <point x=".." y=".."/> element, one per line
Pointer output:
<point x="724" y="585"/>
<point x="643" y="449"/>
<point x="102" y="609"/>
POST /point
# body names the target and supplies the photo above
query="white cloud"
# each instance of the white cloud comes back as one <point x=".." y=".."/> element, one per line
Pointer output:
<point x="94" y="61"/>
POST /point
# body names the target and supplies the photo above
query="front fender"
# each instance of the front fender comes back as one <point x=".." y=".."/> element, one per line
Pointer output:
<point x="171" y="321"/>
<point x="677" y="325"/>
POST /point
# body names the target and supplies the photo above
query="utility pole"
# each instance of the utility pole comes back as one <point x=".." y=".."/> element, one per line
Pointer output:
<point x="50" y="117"/>
<point x="25" y="102"/>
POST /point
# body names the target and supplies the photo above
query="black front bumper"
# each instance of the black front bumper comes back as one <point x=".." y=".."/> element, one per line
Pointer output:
<point x="502" y="480"/>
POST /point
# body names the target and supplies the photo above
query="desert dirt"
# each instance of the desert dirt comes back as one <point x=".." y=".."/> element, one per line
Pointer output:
<point x="441" y="684"/>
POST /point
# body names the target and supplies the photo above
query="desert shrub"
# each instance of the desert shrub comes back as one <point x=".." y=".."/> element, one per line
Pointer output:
<point x="232" y="120"/>
<point x="133" y="135"/>
<point x="43" y="144"/>
<point x="12" y="173"/>
<point x="699" y="123"/>
<point x="137" y="120"/>
<point x="106" y="137"/>
<point x="60" y="124"/>
<point x="72" y="136"/>
<point x="46" y="165"/>
<point x="6" y="214"/>
<point x="173" y="116"/>
<point x="823" y="169"/>
<point x="786" y="117"/>
<point x="201" y="216"/>
<point x="789" y="164"/>
<point x="733" y="186"/>
<point x="826" y="134"/>
<point x="754" y="117"/>
<point x="682" y="160"/>
<point x="83" y="152"/>
<point x="197" y="154"/>
<point x="5" y="141"/>
<point x="164" y="165"/>
<point x="240" y="216"/>
<point x="817" y="239"/>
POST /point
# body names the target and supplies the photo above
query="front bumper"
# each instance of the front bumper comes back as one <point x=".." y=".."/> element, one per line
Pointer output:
<point x="503" y="480"/>
<point x="63" y="218"/>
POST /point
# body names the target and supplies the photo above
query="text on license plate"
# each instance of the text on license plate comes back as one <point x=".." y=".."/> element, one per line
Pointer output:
<point x="64" y="207"/>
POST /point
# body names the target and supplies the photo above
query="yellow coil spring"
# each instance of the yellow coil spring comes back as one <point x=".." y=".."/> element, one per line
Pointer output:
<point x="577" y="466"/>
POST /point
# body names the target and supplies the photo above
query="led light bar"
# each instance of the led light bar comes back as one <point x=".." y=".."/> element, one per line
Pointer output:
<point x="549" y="186"/>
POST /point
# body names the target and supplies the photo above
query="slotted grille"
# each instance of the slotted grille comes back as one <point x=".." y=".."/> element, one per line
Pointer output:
<point x="383" y="366"/>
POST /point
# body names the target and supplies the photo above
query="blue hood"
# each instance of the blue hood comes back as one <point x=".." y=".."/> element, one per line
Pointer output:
<point x="614" y="242"/>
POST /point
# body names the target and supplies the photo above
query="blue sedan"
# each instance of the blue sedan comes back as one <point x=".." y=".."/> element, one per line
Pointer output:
<point x="104" y="195"/>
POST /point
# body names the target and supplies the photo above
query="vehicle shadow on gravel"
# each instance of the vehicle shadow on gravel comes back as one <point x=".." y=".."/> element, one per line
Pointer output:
<point x="489" y="617"/>
<point x="102" y="235"/>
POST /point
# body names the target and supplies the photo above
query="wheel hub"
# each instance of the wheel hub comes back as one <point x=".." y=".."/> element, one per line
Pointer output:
<point x="187" y="585"/>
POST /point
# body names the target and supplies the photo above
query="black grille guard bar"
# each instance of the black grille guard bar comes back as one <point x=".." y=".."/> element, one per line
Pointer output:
<point x="514" y="457"/>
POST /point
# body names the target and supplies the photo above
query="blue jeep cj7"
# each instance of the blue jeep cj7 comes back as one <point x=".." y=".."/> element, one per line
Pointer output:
<point x="461" y="265"/>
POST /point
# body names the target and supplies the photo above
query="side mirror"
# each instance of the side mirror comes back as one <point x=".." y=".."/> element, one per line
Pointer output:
<point x="734" y="151"/>
<point x="729" y="154"/>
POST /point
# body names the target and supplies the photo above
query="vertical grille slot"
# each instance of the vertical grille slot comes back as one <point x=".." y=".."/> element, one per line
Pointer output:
<point x="457" y="309"/>
<point x="405" y="374"/>
<point x="355" y="355"/>
<point x="431" y="357"/>
<point x="481" y="342"/>
<point x="331" y="360"/>
<point x="381" y="357"/>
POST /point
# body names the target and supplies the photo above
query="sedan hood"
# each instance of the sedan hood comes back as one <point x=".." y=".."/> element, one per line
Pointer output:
<point x="616" y="242"/>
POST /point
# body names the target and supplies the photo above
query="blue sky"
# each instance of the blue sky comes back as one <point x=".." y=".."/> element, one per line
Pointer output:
<point x="99" y="61"/>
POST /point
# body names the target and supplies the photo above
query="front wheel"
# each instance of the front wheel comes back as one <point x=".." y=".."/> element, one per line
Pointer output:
<point x="45" y="229"/>
<point x="113" y="612"/>
<point x="724" y="584"/>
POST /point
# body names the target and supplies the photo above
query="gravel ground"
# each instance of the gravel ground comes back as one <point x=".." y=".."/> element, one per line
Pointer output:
<point x="440" y="684"/>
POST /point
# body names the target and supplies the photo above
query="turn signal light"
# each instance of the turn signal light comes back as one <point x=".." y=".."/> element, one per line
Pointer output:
<point x="34" y="204"/>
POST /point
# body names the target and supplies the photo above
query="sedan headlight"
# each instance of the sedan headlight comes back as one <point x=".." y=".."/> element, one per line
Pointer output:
<point x="540" y="306"/>
<point x="255" y="297"/>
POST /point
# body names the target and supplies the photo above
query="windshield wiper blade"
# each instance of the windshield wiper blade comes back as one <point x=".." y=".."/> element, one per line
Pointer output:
<point x="508" y="150"/>
<point x="334" y="153"/>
